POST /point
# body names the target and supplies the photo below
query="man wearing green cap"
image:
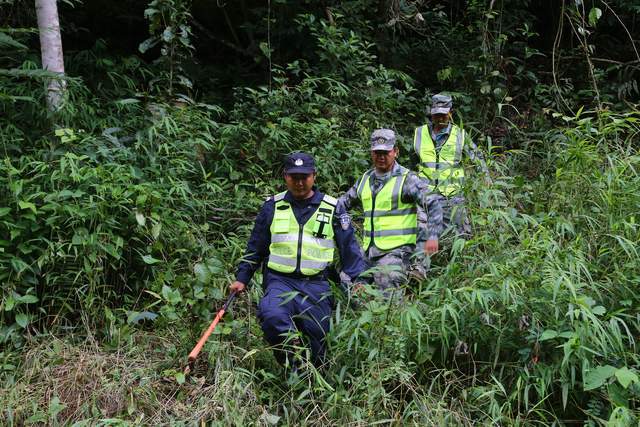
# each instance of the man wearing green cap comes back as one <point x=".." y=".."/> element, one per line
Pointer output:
<point x="391" y="197"/>
<point x="441" y="145"/>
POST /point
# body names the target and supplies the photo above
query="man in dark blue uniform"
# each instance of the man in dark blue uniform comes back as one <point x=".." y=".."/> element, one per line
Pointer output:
<point x="295" y="234"/>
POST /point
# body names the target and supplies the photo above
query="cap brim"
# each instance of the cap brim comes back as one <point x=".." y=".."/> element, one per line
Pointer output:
<point x="305" y="170"/>
<point x="440" y="110"/>
<point x="382" y="147"/>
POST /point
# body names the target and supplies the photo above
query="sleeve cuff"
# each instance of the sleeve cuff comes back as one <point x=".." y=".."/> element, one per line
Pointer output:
<point x="243" y="277"/>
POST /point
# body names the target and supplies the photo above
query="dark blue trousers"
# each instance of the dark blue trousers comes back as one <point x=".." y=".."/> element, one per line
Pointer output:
<point x="291" y="305"/>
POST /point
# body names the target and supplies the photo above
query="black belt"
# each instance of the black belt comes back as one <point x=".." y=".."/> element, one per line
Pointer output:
<point x="314" y="278"/>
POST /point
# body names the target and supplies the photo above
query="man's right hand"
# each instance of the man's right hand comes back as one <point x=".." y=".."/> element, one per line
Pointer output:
<point x="237" y="287"/>
<point x="431" y="246"/>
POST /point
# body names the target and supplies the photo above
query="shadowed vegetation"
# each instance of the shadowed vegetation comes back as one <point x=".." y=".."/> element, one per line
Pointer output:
<point x="123" y="215"/>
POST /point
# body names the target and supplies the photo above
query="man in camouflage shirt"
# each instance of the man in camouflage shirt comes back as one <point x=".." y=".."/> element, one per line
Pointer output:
<point x="442" y="147"/>
<point x="391" y="197"/>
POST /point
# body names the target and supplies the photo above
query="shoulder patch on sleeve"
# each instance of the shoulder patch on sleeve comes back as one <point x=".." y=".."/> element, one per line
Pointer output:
<point x="345" y="221"/>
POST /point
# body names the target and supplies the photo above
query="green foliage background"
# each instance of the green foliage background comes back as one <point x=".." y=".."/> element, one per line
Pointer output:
<point x="123" y="215"/>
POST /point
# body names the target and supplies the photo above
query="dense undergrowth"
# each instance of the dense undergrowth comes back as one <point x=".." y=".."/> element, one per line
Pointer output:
<point x="532" y="320"/>
<point x="122" y="217"/>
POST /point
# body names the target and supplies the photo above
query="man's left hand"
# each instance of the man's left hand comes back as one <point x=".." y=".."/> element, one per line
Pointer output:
<point x="431" y="246"/>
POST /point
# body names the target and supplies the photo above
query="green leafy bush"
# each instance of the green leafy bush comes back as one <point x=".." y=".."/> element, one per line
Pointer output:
<point x="122" y="217"/>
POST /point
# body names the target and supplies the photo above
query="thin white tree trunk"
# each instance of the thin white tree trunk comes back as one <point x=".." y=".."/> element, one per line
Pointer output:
<point x="51" y="50"/>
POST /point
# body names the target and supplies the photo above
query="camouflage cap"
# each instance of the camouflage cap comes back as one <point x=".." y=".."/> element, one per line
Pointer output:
<point x="441" y="104"/>
<point x="383" y="139"/>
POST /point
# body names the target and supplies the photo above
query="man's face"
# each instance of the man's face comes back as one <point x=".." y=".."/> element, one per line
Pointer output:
<point x="300" y="184"/>
<point x="383" y="160"/>
<point x="441" y="120"/>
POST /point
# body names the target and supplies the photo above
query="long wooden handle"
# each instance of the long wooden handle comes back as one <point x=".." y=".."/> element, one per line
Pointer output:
<point x="203" y="339"/>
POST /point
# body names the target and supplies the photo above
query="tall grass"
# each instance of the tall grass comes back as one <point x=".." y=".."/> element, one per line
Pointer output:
<point x="533" y="320"/>
<point x="119" y="233"/>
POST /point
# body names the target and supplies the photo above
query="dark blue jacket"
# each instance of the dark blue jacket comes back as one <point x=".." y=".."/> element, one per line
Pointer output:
<point x="258" y="246"/>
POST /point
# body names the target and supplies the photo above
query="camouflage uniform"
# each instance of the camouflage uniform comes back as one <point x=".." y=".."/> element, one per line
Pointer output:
<point x="454" y="211"/>
<point x="390" y="266"/>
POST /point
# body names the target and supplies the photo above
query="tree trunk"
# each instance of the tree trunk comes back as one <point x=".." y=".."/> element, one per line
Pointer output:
<point x="51" y="50"/>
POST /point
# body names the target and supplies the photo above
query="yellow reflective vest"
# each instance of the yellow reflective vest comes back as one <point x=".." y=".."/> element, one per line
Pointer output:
<point x="308" y="247"/>
<point x="388" y="221"/>
<point x="443" y="168"/>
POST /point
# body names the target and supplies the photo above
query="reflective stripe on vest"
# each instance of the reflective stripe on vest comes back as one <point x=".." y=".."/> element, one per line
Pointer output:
<point x="388" y="222"/>
<point x="308" y="248"/>
<point x="443" y="168"/>
<point x="291" y="262"/>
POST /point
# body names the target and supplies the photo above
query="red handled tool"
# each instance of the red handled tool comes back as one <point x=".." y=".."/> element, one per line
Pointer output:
<point x="203" y="339"/>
